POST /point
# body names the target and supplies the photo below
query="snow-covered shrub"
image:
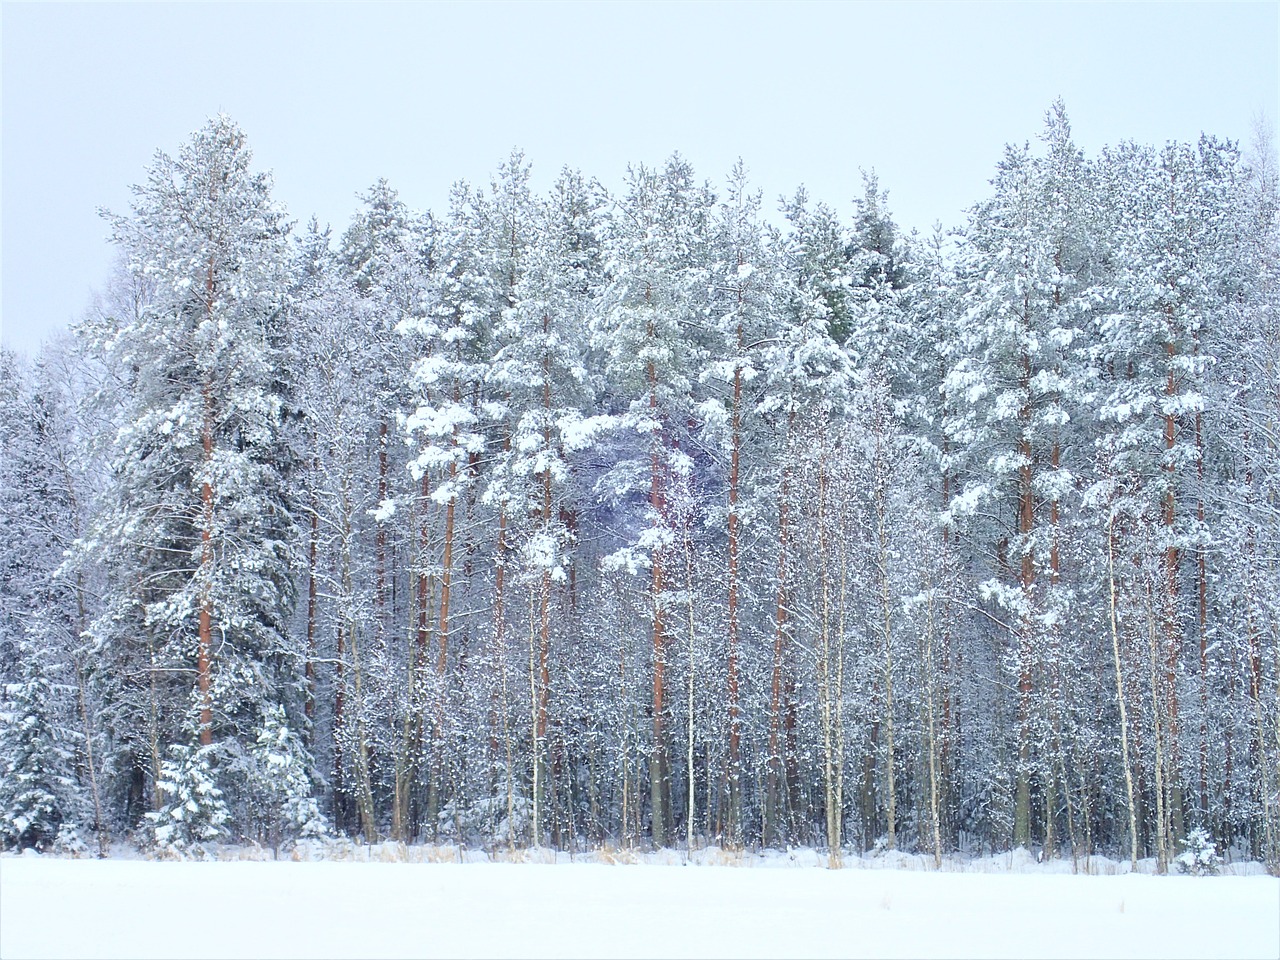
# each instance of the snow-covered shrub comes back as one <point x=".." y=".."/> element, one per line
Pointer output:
<point x="195" y="813"/>
<point x="35" y="784"/>
<point x="68" y="843"/>
<point x="281" y="784"/>
<point x="488" y="820"/>
<point x="1200" y="855"/>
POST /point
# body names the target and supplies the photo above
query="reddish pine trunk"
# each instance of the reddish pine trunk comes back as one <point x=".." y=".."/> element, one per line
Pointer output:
<point x="206" y="545"/>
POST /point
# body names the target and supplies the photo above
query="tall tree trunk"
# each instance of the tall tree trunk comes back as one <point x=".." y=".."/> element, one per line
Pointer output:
<point x="881" y="508"/>
<point x="339" y="730"/>
<point x="534" y="702"/>
<point x="82" y="625"/>
<point x="436" y="786"/>
<point x="1162" y="822"/>
<point x="1172" y="626"/>
<point x="498" y="701"/>
<point x="380" y="538"/>
<point x="825" y="692"/>
<point x="364" y="788"/>
<point x="735" y="731"/>
<point x="1120" y="697"/>
<point x="1055" y="672"/>
<point x="839" y="698"/>
<point x="692" y="782"/>
<point x="313" y="538"/>
<point x="930" y="729"/>
<point x="544" y="618"/>
<point x="1027" y="575"/>
<point x="776" y="786"/>
<point x="658" y="756"/>
<point x="1202" y="621"/>
<point x="206" y="562"/>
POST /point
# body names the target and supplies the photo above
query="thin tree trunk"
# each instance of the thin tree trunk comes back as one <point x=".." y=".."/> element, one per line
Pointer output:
<point x="1027" y="576"/>
<point x="544" y="619"/>
<point x="534" y="701"/>
<point x="775" y="785"/>
<point x="1202" y="619"/>
<point x="1120" y="698"/>
<point x="688" y="579"/>
<point x="658" y="756"/>
<point x="206" y="564"/>
<point x="1172" y="628"/>
<point x="930" y="730"/>
<point x="839" y="692"/>
<point x="364" y="789"/>
<point x="1162" y="827"/>
<point x="629" y="824"/>
<point x="735" y="732"/>
<point x="312" y="547"/>
<point x="436" y="785"/>
<point x="339" y="730"/>
<point x="886" y="624"/>
<point x="380" y="537"/>
<point x="82" y="626"/>
<point x="498" y="706"/>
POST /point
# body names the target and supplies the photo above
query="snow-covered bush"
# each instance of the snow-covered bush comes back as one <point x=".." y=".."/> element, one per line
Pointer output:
<point x="489" y="820"/>
<point x="195" y="812"/>
<point x="281" y="784"/>
<point x="35" y="784"/>
<point x="68" y="843"/>
<point x="1200" y="855"/>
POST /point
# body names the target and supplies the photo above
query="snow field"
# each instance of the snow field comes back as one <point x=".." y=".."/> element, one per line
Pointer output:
<point x="134" y="908"/>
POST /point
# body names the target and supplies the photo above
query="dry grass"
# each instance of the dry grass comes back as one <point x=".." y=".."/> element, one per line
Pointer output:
<point x="616" y="855"/>
<point x="720" y="857"/>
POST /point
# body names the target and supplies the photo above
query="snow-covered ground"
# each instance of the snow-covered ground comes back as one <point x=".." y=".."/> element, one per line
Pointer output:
<point x="136" y="908"/>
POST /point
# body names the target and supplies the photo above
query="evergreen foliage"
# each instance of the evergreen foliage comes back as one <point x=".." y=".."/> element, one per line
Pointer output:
<point x="573" y="517"/>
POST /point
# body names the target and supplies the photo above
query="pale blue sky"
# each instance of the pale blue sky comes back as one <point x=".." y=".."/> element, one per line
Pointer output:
<point x="333" y="96"/>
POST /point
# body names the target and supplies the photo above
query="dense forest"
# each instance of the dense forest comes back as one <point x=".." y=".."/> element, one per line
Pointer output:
<point x="655" y="517"/>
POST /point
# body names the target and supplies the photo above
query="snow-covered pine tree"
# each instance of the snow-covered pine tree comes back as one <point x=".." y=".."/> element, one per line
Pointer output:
<point x="1020" y="366"/>
<point x="1169" y="230"/>
<point x="643" y="326"/>
<point x="444" y="426"/>
<point x="743" y="283"/>
<point x="540" y="374"/>
<point x="196" y="530"/>
<point x="809" y="377"/>
<point x="385" y="260"/>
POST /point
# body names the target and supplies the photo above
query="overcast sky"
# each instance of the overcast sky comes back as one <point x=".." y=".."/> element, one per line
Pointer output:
<point x="334" y="96"/>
